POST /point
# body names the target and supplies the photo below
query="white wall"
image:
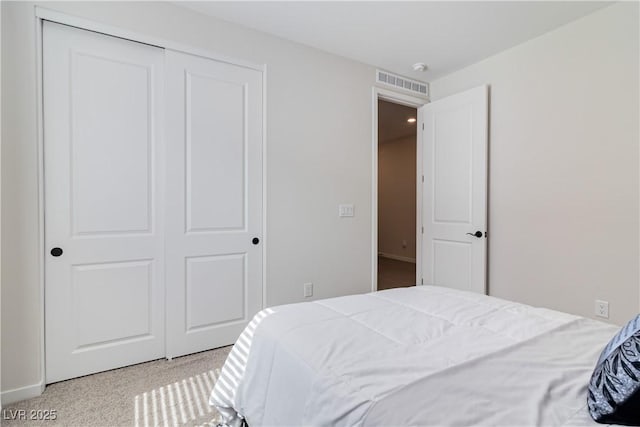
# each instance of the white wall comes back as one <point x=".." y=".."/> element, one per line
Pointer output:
<point x="397" y="197"/>
<point x="564" y="139"/>
<point x="318" y="155"/>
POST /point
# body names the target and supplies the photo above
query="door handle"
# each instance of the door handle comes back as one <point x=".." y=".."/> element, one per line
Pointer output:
<point x="477" y="234"/>
<point x="255" y="240"/>
<point x="56" y="252"/>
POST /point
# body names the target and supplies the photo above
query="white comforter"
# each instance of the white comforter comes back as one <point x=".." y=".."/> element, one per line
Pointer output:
<point x="424" y="355"/>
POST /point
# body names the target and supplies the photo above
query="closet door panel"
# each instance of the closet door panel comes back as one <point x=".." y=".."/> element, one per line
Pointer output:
<point x="104" y="228"/>
<point x="216" y="163"/>
<point x="214" y="270"/>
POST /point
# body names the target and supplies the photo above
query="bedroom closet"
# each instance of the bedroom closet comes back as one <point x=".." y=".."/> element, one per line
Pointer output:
<point x="152" y="201"/>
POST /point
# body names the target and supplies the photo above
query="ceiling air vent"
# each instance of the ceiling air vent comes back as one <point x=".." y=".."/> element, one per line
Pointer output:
<point x="404" y="83"/>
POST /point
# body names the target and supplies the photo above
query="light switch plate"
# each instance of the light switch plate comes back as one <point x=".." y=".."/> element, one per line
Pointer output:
<point x="345" y="211"/>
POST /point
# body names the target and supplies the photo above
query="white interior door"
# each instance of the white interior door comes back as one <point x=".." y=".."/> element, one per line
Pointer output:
<point x="103" y="157"/>
<point x="214" y="181"/>
<point x="454" y="245"/>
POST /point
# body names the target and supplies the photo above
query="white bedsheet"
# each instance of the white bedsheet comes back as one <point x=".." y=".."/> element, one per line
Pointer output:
<point x="424" y="355"/>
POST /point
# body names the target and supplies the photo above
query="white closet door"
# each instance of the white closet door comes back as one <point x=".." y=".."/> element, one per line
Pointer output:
<point x="103" y="157"/>
<point x="214" y="183"/>
<point x="454" y="247"/>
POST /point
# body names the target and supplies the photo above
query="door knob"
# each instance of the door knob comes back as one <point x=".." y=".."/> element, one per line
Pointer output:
<point x="56" y="252"/>
<point x="477" y="234"/>
<point x="255" y="240"/>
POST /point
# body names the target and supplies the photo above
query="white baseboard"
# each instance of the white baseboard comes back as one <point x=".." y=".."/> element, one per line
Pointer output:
<point x="22" y="393"/>
<point x="397" y="257"/>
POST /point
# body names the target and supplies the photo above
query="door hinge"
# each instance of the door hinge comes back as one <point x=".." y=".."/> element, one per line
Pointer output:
<point x="422" y="178"/>
<point x="421" y="281"/>
<point x="422" y="230"/>
<point x="423" y="126"/>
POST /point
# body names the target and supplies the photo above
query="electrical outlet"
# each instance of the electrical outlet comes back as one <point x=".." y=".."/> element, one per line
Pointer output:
<point x="308" y="290"/>
<point x="602" y="309"/>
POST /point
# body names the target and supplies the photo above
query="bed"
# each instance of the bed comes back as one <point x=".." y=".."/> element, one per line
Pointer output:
<point x="424" y="355"/>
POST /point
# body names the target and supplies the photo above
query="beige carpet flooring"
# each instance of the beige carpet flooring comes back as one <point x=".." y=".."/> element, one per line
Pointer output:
<point x="395" y="274"/>
<point x="158" y="393"/>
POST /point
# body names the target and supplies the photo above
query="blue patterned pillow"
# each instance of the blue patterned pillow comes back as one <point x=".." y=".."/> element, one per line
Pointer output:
<point x="614" y="389"/>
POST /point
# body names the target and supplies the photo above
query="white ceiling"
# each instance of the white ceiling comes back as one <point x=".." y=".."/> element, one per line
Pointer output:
<point x="394" y="35"/>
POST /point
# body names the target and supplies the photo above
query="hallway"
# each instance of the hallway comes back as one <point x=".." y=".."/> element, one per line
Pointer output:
<point x="395" y="274"/>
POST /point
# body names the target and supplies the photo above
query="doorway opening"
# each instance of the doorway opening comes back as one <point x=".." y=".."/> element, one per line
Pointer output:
<point x="396" y="196"/>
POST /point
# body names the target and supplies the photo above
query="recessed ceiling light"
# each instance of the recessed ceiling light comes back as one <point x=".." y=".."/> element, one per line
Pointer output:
<point x="411" y="120"/>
